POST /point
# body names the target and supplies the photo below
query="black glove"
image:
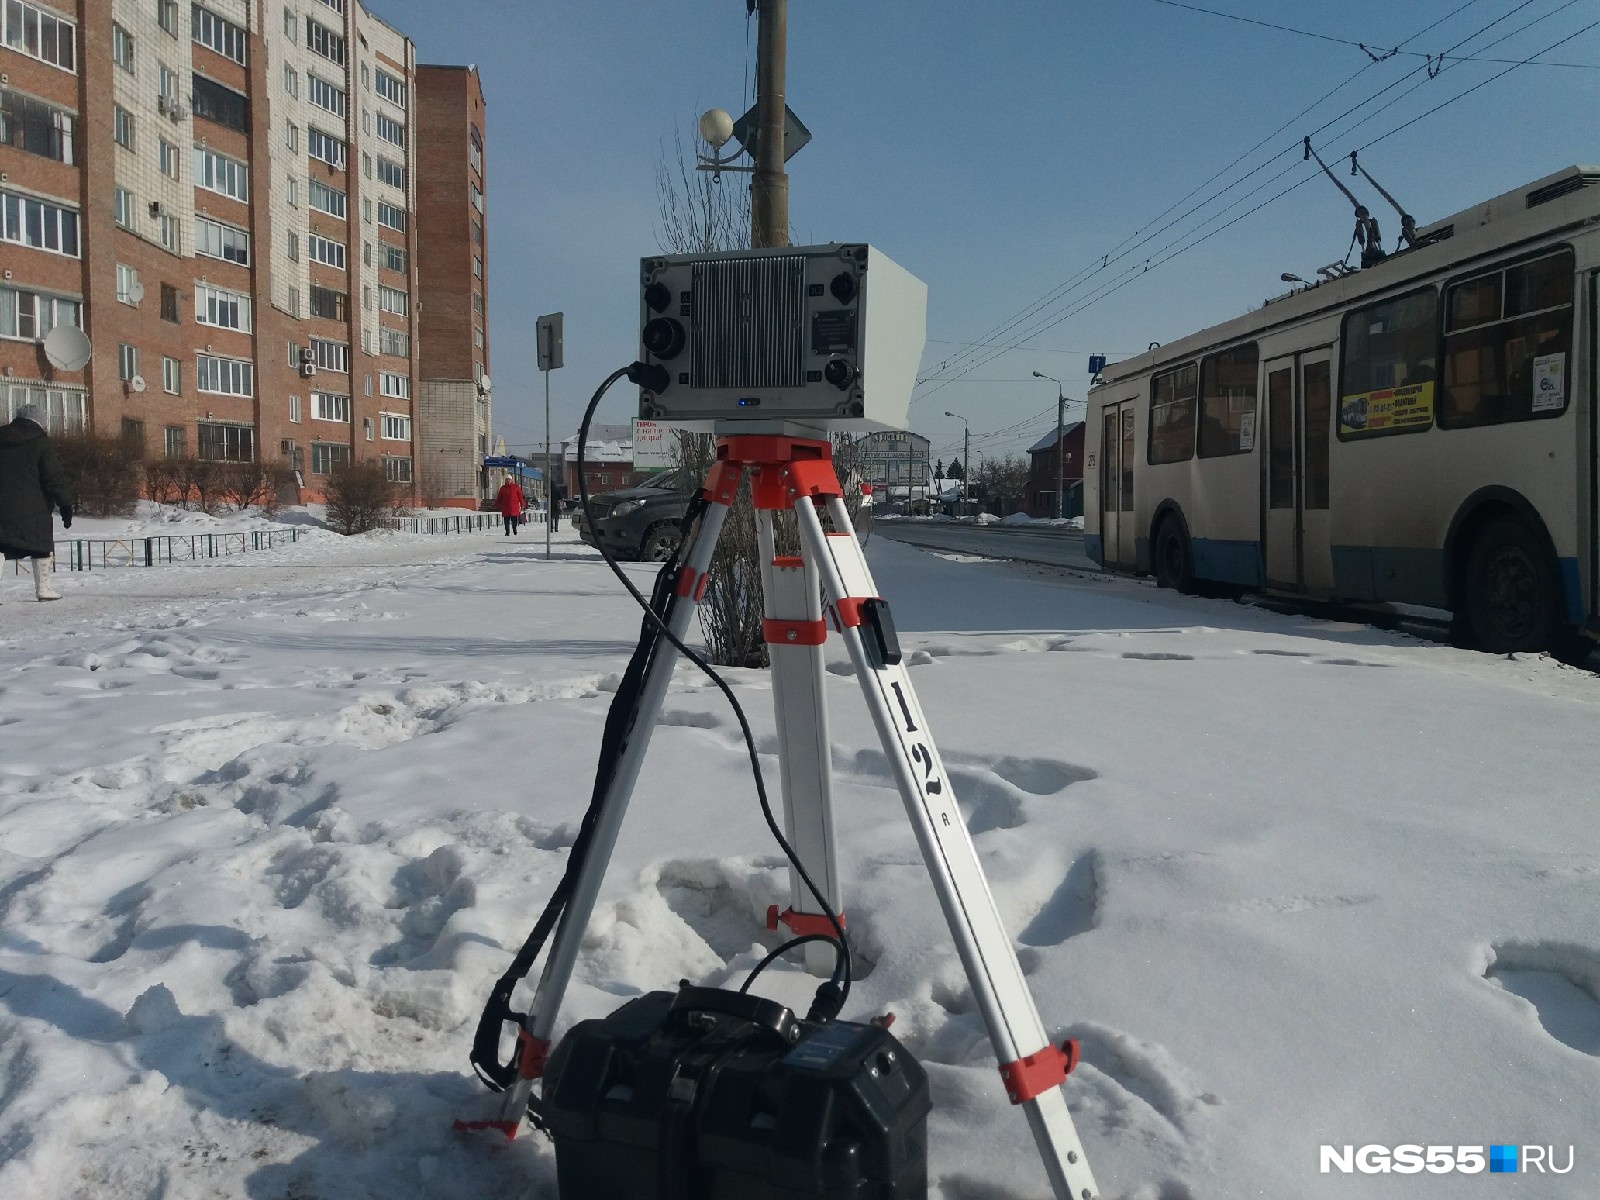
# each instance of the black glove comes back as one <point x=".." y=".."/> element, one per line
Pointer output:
<point x="66" y="516"/>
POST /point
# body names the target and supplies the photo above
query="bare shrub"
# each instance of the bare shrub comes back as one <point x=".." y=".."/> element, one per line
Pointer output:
<point x="161" y="480"/>
<point x="200" y="483"/>
<point x="246" y="485"/>
<point x="102" y="471"/>
<point x="359" y="495"/>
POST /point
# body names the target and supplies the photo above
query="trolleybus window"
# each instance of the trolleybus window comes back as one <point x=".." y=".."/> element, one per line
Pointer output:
<point x="1388" y="366"/>
<point x="1228" y="402"/>
<point x="1172" y="405"/>
<point x="1506" y="344"/>
<point x="1319" y="418"/>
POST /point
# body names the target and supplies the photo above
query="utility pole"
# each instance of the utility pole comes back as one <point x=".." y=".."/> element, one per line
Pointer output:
<point x="1061" y="450"/>
<point x="769" y="186"/>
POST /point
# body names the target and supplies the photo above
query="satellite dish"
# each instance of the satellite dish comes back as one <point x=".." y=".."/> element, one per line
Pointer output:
<point x="136" y="291"/>
<point x="67" y="348"/>
<point x="485" y="384"/>
<point x="137" y="383"/>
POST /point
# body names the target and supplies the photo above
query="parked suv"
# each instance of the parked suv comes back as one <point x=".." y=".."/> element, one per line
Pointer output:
<point x="639" y="522"/>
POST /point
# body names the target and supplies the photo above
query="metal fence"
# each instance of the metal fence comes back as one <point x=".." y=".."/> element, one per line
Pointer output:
<point x="465" y="523"/>
<point x="95" y="554"/>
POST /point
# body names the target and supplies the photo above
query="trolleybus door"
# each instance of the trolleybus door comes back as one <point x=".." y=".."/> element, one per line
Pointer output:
<point x="1294" y="483"/>
<point x="1116" y="485"/>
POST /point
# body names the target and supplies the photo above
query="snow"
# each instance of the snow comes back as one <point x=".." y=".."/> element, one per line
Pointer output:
<point x="271" y="825"/>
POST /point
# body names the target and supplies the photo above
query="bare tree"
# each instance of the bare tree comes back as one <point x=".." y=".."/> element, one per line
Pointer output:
<point x="701" y="212"/>
<point x="1004" y="482"/>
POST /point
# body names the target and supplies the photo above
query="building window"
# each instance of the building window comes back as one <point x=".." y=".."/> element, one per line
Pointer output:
<point x="291" y="136"/>
<point x="325" y="147"/>
<point x="291" y="77"/>
<point x="122" y="126"/>
<point x="221" y="241"/>
<point x="167" y="89"/>
<point x="63" y="407"/>
<point x="128" y="289"/>
<point x="221" y="35"/>
<point x="225" y="443"/>
<point x="391" y="173"/>
<point x="392" y="383"/>
<point x="477" y="232"/>
<point x="169" y="233"/>
<point x="324" y="41"/>
<point x="477" y="196"/>
<point x="167" y="15"/>
<point x="392" y="131"/>
<point x="221" y="174"/>
<point x="127" y="362"/>
<point x="294" y="191"/>
<point x="291" y="246"/>
<point x="477" y="337"/>
<point x="294" y="301"/>
<point x="325" y="95"/>
<point x="133" y="433"/>
<point x="172" y="441"/>
<point x="366" y="165"/>
<point x="326" y="302"/>
<point x="223" y="309"/>
<point x="325" y="457"/>
<point x="397" y="470"/>
<point x="294" y="410"/>
<point x="1172" y="408"/>
<point x="224" y="376"/>
<point x="221" y="105"/>
<point x="389" y="88"/>
<point x="40" y="33"/>
<point x="366" y="297"/>
<point x="326" y="251"/>
<point x="291" y="24"/>
<point x="394" y="258"/>
<point x="32" y="315"/>
<point x="36" y="127"/>
<point x="477" y="266"/>
<point x="475" y="150"/>
<point x="171" y="376"/>
<point x="122" y="47"/>
<point x="477" y="303"/>
<point x="330" y="356"/>
<point x="168" y="157"/>
<point x="336" y="5"/>
<point x="325" y="199"/>
<point x="366" y="209"/>
<point x="393" y="300"/>
<point x="169" y="303"/>
<point x="328" y="406"/>
<point x="391" y="217"/>
<point x="366" y="427"/>
<point x="35" y="223"/>
<point x="394" y="341"/>
<point x="396" y="427"/>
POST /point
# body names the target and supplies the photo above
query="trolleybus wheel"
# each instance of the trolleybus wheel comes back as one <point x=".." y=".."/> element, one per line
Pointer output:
<point x="1173" y="567"/>
<point x="1513" y="600"/>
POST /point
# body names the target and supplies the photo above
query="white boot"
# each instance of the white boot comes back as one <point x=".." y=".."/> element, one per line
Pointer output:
<point x="43" y="586"/>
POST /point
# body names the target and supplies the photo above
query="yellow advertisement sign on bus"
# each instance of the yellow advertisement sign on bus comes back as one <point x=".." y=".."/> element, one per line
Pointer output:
<point x="1387" y="409"/>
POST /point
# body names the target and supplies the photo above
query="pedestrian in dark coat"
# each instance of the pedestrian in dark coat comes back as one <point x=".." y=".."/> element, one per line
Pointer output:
<point x="31" y="483"/>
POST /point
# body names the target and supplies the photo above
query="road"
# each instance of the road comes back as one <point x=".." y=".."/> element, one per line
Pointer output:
<point x="1047" y="544"/>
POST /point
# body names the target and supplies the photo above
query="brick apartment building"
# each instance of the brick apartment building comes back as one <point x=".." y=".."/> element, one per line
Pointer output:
<point x="222" y="196"/>
<point x="454" y="399"/>
<point x="1044" y="461"/>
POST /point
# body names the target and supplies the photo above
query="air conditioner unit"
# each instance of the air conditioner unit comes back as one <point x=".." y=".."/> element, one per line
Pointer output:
<point x="137" y="383"/>
<point x="161" y="105"/>
<point x="176" y="111"/>
<point x="155" y="208"/>
<point x="308" y="357"/>
<point x="827" y="337"/>
<point x="308" y="369"/>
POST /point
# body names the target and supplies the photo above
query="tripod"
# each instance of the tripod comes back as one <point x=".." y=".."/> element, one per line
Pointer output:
<point x="789" y="473"/>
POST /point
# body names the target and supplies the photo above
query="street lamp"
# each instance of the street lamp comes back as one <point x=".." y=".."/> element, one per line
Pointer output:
<point x="1061" y="451"/>
<point x="966" y="452"/>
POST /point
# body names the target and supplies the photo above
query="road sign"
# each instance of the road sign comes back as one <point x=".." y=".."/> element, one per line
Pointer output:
<point x="652" y="446"/>
<point x="795" y="135"/>
<point x="550" y="341"/>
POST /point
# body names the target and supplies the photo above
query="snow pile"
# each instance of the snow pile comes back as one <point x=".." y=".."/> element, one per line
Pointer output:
<point x="985" y="518"/>
<point x="270" y="827"/>
<point x="1017" y="519"/>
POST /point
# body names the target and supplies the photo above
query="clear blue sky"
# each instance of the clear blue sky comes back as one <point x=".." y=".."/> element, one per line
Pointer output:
<point x="997" y="150"/>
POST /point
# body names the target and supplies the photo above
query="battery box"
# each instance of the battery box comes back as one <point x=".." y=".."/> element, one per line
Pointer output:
<point x="715" y="1095"/>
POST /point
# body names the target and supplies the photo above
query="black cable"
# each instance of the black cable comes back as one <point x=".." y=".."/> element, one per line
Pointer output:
<point x="842" y="972"/>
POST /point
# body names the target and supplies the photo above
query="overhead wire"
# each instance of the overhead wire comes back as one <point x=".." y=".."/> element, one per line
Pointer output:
<point x="1162" y="255"/>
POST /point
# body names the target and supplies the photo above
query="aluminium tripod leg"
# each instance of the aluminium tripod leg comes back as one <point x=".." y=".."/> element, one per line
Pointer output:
<point x="535" y="1038"/>
<point x="795" y="632"/>
<point x="1031" y="1067"/>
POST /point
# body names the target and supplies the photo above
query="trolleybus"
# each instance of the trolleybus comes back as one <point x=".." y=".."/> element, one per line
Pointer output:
<point x="1418" y="432"/>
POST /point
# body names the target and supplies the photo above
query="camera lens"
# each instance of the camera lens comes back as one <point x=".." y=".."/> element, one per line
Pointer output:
<point x="839" y="373"/>
<point x="843" y="287"/>
<point x="658" y="295"/>
<point x="663" y="337"/>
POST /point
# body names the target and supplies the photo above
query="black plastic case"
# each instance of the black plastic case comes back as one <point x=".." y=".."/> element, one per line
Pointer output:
<point x="713" y="1095"/>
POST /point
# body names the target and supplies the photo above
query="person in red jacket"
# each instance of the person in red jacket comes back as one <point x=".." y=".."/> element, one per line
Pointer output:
<point x="509" y="501"/>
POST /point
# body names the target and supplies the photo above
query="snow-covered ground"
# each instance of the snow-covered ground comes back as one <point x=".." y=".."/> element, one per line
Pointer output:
<point x="271" y="825"/>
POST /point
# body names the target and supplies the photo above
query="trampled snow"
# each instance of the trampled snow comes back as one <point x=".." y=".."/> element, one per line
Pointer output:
<point x="270" y="826"/>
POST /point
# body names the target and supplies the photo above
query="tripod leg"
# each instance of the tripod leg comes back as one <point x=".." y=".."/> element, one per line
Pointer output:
<point x="1031" y="1067"/>
<point x="795" y="631"/>
<point x="563" y="953"/>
